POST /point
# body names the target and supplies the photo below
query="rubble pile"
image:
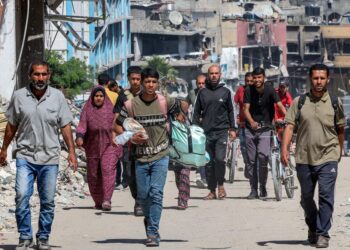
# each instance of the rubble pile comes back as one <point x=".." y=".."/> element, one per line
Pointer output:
<point x="70" y="184"/>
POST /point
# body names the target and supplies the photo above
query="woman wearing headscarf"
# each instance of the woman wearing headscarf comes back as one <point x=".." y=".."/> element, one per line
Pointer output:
<point x="94" y="134"/>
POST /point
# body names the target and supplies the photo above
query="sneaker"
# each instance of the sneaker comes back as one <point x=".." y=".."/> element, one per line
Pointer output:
<point x="138" y="210"/>
<point x="42" y="244"/>
<point x="201" y="183"/>
<point x="253" y="195"/>
<point x="263" y="193"/>
<point x="24" y="244"/>
<point x="312" y="237"/>
<point x="322" y="242"/>
<point x="152" y="241"/>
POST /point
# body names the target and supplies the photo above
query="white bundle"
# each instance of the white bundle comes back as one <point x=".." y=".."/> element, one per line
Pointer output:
<point x="131" y="127"/>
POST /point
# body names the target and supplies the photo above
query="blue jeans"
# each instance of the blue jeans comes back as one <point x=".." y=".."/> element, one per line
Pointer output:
<point x="150" y="179"/>
<point x="46" y="176"/>
<point x="318" y="220"/>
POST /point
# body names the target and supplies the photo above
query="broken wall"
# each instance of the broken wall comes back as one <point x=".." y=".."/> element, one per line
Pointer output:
<point x="7" y="49"/>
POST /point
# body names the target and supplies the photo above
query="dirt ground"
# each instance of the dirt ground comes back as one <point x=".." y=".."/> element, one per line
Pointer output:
<point x="233" y="223"/>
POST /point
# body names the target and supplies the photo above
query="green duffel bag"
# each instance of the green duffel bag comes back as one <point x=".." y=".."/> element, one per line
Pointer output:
<point x="188" y="145"/>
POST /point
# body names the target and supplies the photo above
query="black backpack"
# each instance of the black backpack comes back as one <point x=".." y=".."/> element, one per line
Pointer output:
<point x="301" y="102"/>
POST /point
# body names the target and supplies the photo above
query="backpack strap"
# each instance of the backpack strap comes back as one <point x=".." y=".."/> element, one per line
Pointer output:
<point x="301" y="102"/>
<point x="335" y="102"/>
<point x="128" y="106"/>
<point x="163" y="104"/>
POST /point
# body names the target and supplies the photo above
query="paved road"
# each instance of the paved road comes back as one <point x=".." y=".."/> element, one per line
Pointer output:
<point x="234" y="223"/>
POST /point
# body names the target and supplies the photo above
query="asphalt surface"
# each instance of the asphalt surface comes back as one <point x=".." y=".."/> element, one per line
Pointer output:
<point x="233" y="223"/>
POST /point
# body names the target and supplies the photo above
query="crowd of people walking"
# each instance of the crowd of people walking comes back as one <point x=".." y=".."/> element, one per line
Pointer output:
<point x="38" y="113"/>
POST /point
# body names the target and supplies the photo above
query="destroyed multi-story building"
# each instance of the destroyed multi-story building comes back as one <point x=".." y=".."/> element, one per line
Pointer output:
<point x="95" y="31"/>
<point x="169" y="31"/>
<point x="253" y="35"/>
<point x="238" y="36"/>
<point x="318" y="32"/>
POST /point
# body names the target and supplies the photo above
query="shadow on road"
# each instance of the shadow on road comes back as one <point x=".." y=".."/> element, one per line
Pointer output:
<point x="175" y="207"/>
<point x="83" y="208"/>
<point x="115" y="213"/>
<point x="87" y="208"/>
<point x="8" y="247"/>
<point x="13" y="247"/>
<point x="133" y="241"/>
<point x="283" y="242"/>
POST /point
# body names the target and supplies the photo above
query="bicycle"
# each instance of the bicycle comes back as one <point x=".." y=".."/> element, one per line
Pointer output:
<point x="231" y="158"/>
<point x="281" y="175"/>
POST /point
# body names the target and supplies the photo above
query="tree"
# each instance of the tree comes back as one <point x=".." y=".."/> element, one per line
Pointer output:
<point x="72" y="76"/>
<point x="165" y="71"/>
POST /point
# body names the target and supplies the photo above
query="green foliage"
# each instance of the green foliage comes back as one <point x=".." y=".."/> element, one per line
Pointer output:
<point x="164" y="69"/>
<point x="72" y="76"/>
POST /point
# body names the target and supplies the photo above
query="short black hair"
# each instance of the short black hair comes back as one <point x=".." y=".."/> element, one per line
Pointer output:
<point x="258" y="71"/>
<point x="248" y="74"/>
<point x="149" y="72"/>
<point x="38" y="62"/>
<point x="113" y="83"/>
<point x="134" y="70"/>
<point x="103" y="79"/>
<point x="319" y="66"/>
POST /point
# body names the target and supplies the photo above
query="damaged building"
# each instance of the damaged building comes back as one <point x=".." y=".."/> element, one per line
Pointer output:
<point x="172" y="31"/>
<point x="253" y="35"/>
<point x="318" y="31"/>
<point x="97" y="32"/>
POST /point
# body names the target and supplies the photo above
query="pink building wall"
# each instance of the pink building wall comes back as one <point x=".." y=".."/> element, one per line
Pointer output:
<point x="276" y="35"/>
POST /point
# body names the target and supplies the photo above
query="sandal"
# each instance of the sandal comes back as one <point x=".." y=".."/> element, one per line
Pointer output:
<point x="106" y="206"/>
<point x="221" y="193"/>
<point x="210" y="196"/>
<point x="182" y="206"/>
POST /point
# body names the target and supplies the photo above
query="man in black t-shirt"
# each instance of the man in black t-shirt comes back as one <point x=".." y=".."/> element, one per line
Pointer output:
<point x="259" y="111"/>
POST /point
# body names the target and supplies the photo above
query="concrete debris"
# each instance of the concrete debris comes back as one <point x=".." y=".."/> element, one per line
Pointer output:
<point x="5" y="177"/>
<point x="70" y="184"/>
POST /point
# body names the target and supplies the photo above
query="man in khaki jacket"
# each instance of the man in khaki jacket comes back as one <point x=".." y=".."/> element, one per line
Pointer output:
<point x="319" y="143"/>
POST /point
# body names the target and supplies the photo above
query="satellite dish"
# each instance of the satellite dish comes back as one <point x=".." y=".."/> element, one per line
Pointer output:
<point x="175" y="17"/>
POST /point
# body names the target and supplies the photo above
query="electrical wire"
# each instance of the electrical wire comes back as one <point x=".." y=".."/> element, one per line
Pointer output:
<point x="23" y="40"/>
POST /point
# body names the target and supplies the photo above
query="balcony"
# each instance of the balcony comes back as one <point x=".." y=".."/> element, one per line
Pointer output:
<point x="335" y="32"/>
<point x="342" y="61"/>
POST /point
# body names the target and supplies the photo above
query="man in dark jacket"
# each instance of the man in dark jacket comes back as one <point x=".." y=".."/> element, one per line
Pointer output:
<point x="213" y="111"/>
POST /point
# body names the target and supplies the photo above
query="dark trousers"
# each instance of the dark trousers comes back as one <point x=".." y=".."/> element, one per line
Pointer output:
<point x="131" y="177"/>
<point x="258" y="146"/>
<point x="318" y="220"/>
<point x="129" y="169"/>
<point x="216" y="148"/>
<point x="121" y="177"/>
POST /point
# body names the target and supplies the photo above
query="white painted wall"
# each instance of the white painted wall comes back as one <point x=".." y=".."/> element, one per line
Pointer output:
<point x="8" y="52"/>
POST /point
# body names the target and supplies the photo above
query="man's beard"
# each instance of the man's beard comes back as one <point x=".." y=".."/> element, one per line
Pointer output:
<point x="39" y="85"/>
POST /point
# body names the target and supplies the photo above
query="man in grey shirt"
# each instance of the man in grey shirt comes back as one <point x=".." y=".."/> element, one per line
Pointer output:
<point x="36" y="113"/>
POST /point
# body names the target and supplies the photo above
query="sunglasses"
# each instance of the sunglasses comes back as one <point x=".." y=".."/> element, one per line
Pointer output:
<point x="38" y="74"/>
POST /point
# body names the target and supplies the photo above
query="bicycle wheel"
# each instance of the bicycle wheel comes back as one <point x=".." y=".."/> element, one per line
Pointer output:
<point x="231" y="162"/>
<point x="289" y="181"/>
<point x="276" y="175"/>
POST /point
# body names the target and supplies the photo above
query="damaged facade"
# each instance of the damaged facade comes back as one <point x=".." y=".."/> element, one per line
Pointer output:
<point x="318" y="31"/>
<point x="95" y="31"/>
<point x="256" y="34"/>
<point x="175" y="31"/>
<point x="238" y="36"/>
